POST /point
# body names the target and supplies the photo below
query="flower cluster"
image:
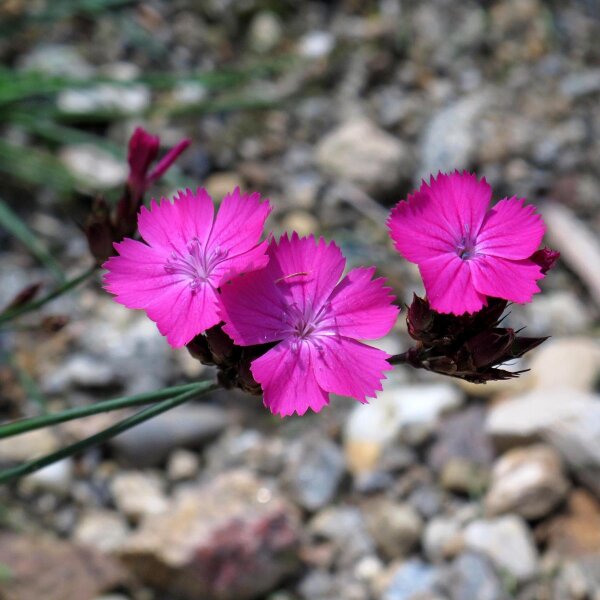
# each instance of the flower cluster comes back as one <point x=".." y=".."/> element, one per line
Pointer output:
<point x="279" y="317"/>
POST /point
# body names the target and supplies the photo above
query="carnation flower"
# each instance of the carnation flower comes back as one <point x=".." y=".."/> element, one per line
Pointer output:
<point x="187" y="256"/>
<point x="465" y="250"/>
<point x="315" y="320"/>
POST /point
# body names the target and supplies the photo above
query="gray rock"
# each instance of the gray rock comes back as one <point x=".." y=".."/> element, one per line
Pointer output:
<point x="57" y="60"/>
<point x="130" y="99"/>
<point x="472" y="577"/>
<point x="80" y="370"/>
<point x="56" y="478"/>
<point x="104" y="530"/>
<point x="569" y="362"/>
<point x="233" y="538"/>
<point x="398" y="408"/>
<point x="507" y="542"/>
<point x="449" y="140"/>
<point x="580" y="84"/>
<point x="396" y="528"/>
<point x="93" y="168"/>
<point x="412" y="578"/>
<point x="578" y="440"/>
<point x="462" y="452"/>
<point x="346" y="528"/>
<point x="442" y="538"/>
<point x="527" y="481"/>
<point x="138" y="494"/>
<point x="315" y="469"/>
<point x="190" y="425"/>
<point x="265" y="31"/>
<point x="524" y="418"/>
<point x="365" y="155"/>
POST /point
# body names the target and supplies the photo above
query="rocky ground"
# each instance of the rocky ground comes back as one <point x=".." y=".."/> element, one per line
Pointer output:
<point x="434" y="491"/>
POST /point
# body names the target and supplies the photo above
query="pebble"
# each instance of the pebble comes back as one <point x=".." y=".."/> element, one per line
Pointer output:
<point x="56" y="478"/>
<point x="371" y="427"/>
<point x="265" y="32"/>
<point x="94" y="168"/>
<point x="218" y="185"/>
<point x="527" y="481"/>
<point x="507" y="542"/>
<point x="151" y="442"/>
<point x="314" y="471"/>
<point x="182" y="464"/>
<point x="472" y="577"/>
<point x="233" y="537"/>
<point x="316" y="44"/>
<point x="104" y="530"/>
<point x="570" y="362"/>
<point x="28" y="446"/>
<point x="395" y="527"/>
<point x="131" y="99"/>
<point x="442" y="538"/>
<point x="365" y="155"/>
<point x="525" y="417"/>
<point x="411" y="579"/>
<point x="137" y="494"/>
<point x="449" y="140"/>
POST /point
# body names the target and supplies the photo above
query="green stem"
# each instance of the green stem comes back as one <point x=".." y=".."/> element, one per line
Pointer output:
<point x="24" y="425"/>
<point x="144" y="415"/>
<point x="35" y="304"/>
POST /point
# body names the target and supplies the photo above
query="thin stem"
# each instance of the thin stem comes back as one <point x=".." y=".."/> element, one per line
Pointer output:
<point x="399" y="359"/>
<point x="141" y="416"/>
<point x="24" y="425"/>
<point x="34" y="305"/>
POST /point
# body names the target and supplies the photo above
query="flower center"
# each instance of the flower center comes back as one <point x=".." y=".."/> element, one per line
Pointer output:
<point x="466" y="248"/>
<point x="197" y="265"/>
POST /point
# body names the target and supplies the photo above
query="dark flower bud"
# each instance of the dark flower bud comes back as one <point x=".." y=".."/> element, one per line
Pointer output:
<point x="470" y="347"/>
<point x="545" y="258"/>
<point x="99" y="231"/>
<point x="27" y="294"/>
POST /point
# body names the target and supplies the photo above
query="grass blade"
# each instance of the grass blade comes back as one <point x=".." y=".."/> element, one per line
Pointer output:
<point x="104" y="435"/>
<point x="79" y="412"/>
<point x="17" y="227"/>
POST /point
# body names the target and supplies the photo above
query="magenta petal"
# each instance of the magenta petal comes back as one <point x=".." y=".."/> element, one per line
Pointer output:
<point x="182" y="313"/>
<point x="449" y="285"/>
<point x="304" y="270"/>
<point x="461" y="199"/>
<point x="360" y="307"/>
<point x="513" y="280"/>
<point x="239" y="223"/>
<point x="349" y="368"/>
<point x="253" y="310"/>
<point x="416" y="230"/>
<point x="137" y="275"/>
<point x="287" y="377"/>
<point x="164" y="164"/>
<point x="511" y="230"/>
<point x="173" y="225"/>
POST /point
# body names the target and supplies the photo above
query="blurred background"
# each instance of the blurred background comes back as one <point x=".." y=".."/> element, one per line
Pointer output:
<point x="437" y="490"/>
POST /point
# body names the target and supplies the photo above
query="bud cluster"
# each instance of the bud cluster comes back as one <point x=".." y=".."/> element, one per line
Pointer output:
<point x="470" y="347"/>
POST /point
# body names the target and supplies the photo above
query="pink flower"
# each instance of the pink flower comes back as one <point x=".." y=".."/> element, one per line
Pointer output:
<point x="299" y="302"/>
<point x="187" y="256"/>
<point x="466" y="250"/>
<point x="143" y="150"/>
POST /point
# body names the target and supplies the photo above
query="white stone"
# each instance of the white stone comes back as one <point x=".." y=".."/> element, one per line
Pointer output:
<point x="508" y="544"/>
<point x="138" y="494"/>
<point x="93" y="167"/>
<point x="316" y="44"/>
<point x="525" y="417"/>
<point x="527" y="481"/>
<point x="365" y="155"/>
